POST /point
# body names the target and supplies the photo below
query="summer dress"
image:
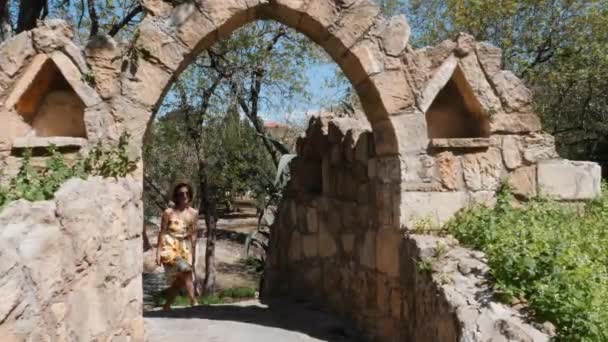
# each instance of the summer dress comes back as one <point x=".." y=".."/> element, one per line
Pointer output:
<point x="176" y="252"/>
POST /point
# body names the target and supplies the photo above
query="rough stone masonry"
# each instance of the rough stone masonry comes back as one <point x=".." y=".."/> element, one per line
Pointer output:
<point x="445" y="126"/>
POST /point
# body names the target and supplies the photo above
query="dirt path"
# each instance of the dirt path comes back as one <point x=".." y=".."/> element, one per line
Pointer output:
<point x="250" y="321"/>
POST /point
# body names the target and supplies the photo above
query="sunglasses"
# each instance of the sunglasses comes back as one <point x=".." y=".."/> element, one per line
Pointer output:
<point x="186" y="193"/>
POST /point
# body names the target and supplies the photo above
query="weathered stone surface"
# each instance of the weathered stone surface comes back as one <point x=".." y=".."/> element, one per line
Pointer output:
<point x="353" y="22"/>
<point x="482" y="171"/>
<point x="523" y="181"/>
<point x="450" y="172"/>
<point x="537" y="147"/>
<point x="14" y="53"/>
<point x="367" y="250"/>
<point x="436" y="206"/>
<point x="51" y="35"/>
<point x="411" y="133"/>
<point x="387" y="251"/>
<point x="396" y="35"/>
<point x="310" y="245"/>
<point x="490" y="58"/>
<point x="511" y="152"/>
<point x="145" y="83"/>
<point x="327" y="244"/>
<point x="50" y="279"/>
<point x="104" y="56"/>
<point x="457" y="143"/>
<point x="481" y="88"/>
<point x="569" y="180"/>
<point x="362" y="61"/>
<point x="32" y="142"/>
<point x="512" y="92"/>
<point x="514" y="123"/>
<point x="159" y="45"/>
<point x="193" y="28"/>
<point x="394" y="90"/>
<point x="439" y="79"/>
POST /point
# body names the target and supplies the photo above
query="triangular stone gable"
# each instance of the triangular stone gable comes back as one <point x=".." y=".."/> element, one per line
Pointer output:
<point x="453" y="103"/>
<point x="52" y="75"/>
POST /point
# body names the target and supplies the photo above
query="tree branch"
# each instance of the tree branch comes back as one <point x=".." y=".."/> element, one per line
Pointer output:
<point x="94" y="18"/>
<point x="125" y="21"/>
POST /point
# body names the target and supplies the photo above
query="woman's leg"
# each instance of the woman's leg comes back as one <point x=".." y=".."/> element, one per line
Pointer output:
<point x="172" y="292"/>
<point x="189" y="284"/>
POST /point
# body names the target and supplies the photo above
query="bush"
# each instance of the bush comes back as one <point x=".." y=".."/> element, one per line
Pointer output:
<point x="41" y="183"/>
<point x="553" y="257"/>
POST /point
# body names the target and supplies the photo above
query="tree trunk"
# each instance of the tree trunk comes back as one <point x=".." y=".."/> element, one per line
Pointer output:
<point x="29" y="12"/>
<point x="208" y="207"/>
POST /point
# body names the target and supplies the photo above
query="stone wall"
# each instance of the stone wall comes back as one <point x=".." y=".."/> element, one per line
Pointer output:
<point x="335" y="243"/>
<point x="71" y="267"/>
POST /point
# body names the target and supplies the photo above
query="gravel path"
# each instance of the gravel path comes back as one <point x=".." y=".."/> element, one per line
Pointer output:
<point x="249" y="321"/>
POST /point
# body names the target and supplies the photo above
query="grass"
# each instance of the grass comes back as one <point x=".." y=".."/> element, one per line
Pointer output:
<point x="225" y="296"/>
<point x="552" y="257"/>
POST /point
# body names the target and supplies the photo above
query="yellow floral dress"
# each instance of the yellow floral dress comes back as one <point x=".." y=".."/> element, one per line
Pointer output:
<point x="176" y="253"/>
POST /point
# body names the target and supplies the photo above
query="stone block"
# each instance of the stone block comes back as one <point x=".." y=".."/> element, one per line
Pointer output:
<point x="354" y="21"/>
<point x="478" y="83"/>
<point x="367" y="250"/>
<point x="483" y="170"/>
<point x="362" y="61"/>
<point x="396" y="35"/>
<point x="146" y="83"/>
<point x="523" y="181"/>
<point x="511" y="152"/>
<point x="411" y="131"/>
<point x="539" y="146"/>
<point x="395" y="91"/>
<point x="348" y="242"/>
<point x="515" y="123"/>
<point x="15" y="52"/>
<point x="192" y="27"/>
<point x="514" y="95"/>
<point x="159" y="45"/>
<point x="490" y="57"/>
<point x="569" y="180"/>
<point x="327" y="244"/>
<point x="388" y="242"/>
<point x="437" y="206"/>
<point x="310" y="245"/>
<point x="450" y="171"/>
<point x="312" y="220"/>
<point x="295" y="247"/>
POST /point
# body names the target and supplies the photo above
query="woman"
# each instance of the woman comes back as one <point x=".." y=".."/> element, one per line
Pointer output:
<point x="176" y="244"/>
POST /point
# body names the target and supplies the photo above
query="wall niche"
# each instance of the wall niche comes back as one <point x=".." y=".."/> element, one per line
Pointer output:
<point x="47" y="101"/>
<point x="455" y="112"/>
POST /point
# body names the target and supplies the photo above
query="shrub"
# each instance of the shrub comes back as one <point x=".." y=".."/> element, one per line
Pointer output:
<point x="40" y="183"/>
<point x="552" y="256"/>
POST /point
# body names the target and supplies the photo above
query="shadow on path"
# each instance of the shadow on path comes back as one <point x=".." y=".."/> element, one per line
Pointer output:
<point x="275" y="313"/>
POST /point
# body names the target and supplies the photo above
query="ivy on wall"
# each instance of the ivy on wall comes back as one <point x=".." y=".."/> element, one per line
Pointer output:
<point x="40" y="183"/>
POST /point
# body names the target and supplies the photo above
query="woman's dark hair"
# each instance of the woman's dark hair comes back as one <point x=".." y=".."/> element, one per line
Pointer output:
<point x="176" y="190"/>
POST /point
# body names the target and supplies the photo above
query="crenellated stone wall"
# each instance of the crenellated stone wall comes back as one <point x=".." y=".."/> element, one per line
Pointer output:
<point x="334" y="242"/>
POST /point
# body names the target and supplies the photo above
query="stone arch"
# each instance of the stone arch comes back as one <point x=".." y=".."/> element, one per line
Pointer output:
<point x="364" y="44"/>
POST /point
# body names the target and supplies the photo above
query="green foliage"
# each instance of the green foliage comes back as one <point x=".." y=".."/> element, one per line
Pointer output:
<point x="40" y="183"/>
<point x="229" y="295"/>
<point x="552" y="256"/>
